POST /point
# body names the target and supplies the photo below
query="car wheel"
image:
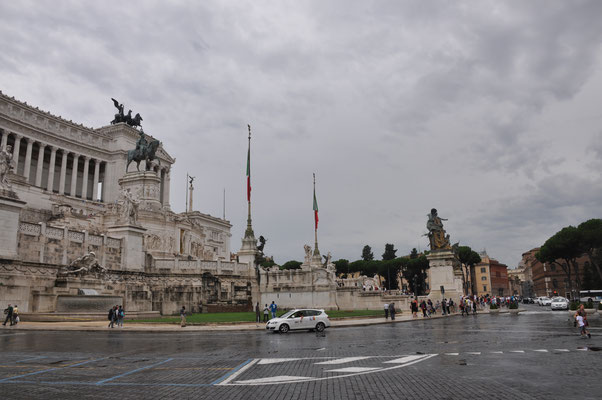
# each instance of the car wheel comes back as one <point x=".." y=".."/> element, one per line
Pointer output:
<point x="284" y="328"/>
<point x="320" y="327"/>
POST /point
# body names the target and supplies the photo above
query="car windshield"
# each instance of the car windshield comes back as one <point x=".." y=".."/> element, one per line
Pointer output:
<point x="557" y="299"/>
<point x="288" y="314"/>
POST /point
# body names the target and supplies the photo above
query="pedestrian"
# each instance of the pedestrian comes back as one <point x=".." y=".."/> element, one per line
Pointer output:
<point x="414" y="308"/>
<point x="273" y="309"/>
<point x="257" y="313"/>
<point x="438" y="306"/>
<point x="392" y="311"/>
<point x="111" y="317"/>
<point x="183" y="317"/>
<point x="448" y="305"/>
<point x="423" y="308"/>
<point x="120" y="316"/>
<point x="15" y="315"/>
<point x="386" y="310"/>
<point x="582" y="326"/>
<point x="266" y="311"/>
<point x="9" y="315"/>
<point x="474" y="307"/>
<point x="430" y="308"/>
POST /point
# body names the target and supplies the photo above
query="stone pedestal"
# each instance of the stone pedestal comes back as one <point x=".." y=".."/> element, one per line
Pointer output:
<point x="146" y="187"/>
<point x="132" y="257"/>
<point x="10" y="207"/>
<point x="248" y="251"/>
<point x="444" y="271"/>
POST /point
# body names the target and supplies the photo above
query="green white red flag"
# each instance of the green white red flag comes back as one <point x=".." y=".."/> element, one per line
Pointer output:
<point x="249" y="168"/>
<point x="315" y="203"/>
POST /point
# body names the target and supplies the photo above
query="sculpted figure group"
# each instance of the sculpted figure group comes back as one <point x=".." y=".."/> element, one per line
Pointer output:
<point x="6" y="165"/>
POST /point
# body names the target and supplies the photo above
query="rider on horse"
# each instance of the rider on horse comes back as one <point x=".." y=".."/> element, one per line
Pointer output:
<point x="141" y="143"/>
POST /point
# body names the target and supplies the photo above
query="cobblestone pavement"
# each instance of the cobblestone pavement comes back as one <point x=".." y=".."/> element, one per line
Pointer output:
<point x="537" y="354"/>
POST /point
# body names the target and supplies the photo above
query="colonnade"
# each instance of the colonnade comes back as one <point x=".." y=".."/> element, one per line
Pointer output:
<point x="43" y="174"/>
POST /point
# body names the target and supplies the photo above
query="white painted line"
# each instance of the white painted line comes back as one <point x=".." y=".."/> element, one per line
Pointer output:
<point x="342" y="360"/>
<point x="275" y="379"/>
<point x="265" y="361"/>
<point x="517" y="351"/>
<point x="561" y="350"/>
<point x="321" y="349"/>
<point x="541" y="350"/>
<point x="452" y="354"/>
<point x="497" y="352"/>
<point x="352" y="369"/>
<point x="404" y="360"/>
<point x="474" y="353"/>
<point x="240" y="371"/>
<point x="583" y="349"/>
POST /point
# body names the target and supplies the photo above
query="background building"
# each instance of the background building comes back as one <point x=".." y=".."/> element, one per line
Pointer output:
<point x="491" y="277"/>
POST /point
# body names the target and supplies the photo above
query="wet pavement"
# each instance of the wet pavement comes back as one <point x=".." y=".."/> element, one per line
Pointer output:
<point x="537" y="354"/>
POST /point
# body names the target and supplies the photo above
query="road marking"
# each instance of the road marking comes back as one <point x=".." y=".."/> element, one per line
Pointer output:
<point x="580" y="349"/>
<point x="497" y="352"/>
<point x="32" y="358"/>
<point x="561" y="350"/>
<point x="275" y="379"/>
<point x="341" y="360"/>
<point x="235" y="372"/>
<point x="49" y="369"/>
<point x="353" y="369"/>
<point x="403" y="360"/>
<point x="517" y="351"/>
<point x="131" y="372"/>
<point x="541" y="350"/>
<point x="265" y="361"/>
<point x="474" y="353"/>
<point x="452" y="354"/>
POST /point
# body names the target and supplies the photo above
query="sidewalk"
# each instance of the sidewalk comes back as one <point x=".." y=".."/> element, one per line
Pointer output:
<point x="175" y="327"/>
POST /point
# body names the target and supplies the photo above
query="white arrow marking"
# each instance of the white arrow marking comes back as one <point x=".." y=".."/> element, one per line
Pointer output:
<point x="265" y="361"/>
<point x="404" y="360"/>
<point x="274" y="379"/>
<point x="352" y="369"/>
<point x="342" y="360"/>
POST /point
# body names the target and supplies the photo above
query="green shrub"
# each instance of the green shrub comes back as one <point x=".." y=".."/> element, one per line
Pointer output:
<point x="600" y="306"/>
<point x="513" y="306"/>
<point x="574" y="305"/>
<point x="493" y="306"/>
<point x="589" y="304"/>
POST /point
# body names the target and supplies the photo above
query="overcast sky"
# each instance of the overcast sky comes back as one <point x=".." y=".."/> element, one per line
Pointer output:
<point x="486" y="110"/>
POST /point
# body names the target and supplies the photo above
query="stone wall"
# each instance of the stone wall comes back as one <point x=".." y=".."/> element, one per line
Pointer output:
<point x="58" y="245"/>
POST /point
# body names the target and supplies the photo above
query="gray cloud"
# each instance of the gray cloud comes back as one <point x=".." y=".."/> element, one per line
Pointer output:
<point x="397" y="106"/>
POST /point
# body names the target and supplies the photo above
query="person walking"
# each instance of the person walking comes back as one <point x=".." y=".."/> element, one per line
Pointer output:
<point x="423" y="308"/>
<point x="273" y="309"/>
<point x="386" y="310"/>
<point x="448" y="305"/>
<point x="120" y="316"/>
<point x="474" y="307"/>
<point x="430" y="308"/>
<point x="266" y="311"/>
<point x="257" y="313"/>
<point x="111" y="317"/>
<point x="15" y="315"/>
<point x="583" y="326"/>
<point x="9" y="315"/>
<point x="414" y="308"/>
<point x="183" y="317"/>
<point x="392" y="311"/>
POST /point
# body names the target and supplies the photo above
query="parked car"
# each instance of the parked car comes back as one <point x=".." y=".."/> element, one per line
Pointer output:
<point x="546" y="301"/>
<point x="559" y="303"/>
<point x="528" y="300"/>
<point x="299" y="319"/>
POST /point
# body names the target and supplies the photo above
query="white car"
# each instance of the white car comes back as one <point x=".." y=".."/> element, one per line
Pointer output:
<point x="546" y="301"/>
<point x="559" y="303"/>
<point x="299" y="319"/>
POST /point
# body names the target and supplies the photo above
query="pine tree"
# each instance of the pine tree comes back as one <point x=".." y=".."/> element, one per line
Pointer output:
<point x="367" y="254"/>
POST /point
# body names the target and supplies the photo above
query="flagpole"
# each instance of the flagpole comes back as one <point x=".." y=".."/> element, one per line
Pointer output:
<point x="249" y="231"/>
<point x="316" y="251"/>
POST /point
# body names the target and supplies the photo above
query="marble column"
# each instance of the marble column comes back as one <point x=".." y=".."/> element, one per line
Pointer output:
<point x="95" y="181"/>
<point x="64" y="155"/>
<point x="4" y="139"/>
<point x="74" y="175"/>
<point x="166" y="188"/>
<point x="16" y="150"/>
<point x="40" y="164"/>
<point x="53" y="150"/>
<point x="28" y="159"/>
<point x="85" y="177"/>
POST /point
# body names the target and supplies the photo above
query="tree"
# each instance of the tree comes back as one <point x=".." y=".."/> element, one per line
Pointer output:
<point x="292" y="264"/>
<point x="414" y="253"/>
<point x="591" y="242"/>
<point x="468" y="259"/>
<point x="367" y="254"/>
<point x="565" y="245"/>
<point x="415" y="273"/>
<point x="390" y="251"/>
<point x="341" y="266"/>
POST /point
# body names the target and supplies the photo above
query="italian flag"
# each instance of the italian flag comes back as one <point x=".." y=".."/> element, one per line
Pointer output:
<point x="315" y="207"/>
<point x="249" y="174"/>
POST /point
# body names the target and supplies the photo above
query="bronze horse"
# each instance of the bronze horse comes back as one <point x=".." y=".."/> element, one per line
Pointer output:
<point x="147" y="154"/>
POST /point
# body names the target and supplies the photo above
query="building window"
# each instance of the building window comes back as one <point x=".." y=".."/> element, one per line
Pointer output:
<point x="484" y="288"/>
<point x="555" y="283"/>
<point x="497" y="274"/>
<point x="483" y="278"/>
<point x="483" y="270"/>
<point x="552" y="267"/>
<point x="500" y="292"/>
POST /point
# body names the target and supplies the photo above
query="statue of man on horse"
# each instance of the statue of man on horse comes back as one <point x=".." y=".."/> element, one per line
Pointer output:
<point x="143" y="151"/>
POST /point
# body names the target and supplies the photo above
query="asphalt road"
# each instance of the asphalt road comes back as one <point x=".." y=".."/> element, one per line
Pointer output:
<point x="537" y="354"/>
